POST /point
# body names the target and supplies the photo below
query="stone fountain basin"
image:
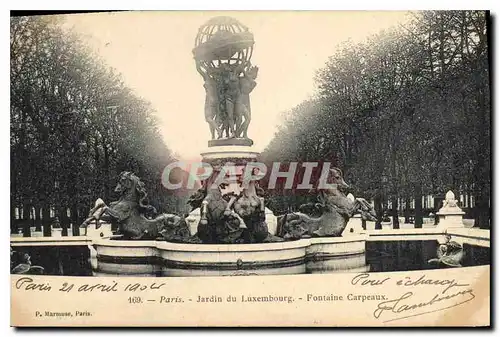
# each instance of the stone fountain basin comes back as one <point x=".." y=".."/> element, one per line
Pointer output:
<point x="339" y="254"/>
<point x="236" y="259"/>
<point x="159" y="258"/>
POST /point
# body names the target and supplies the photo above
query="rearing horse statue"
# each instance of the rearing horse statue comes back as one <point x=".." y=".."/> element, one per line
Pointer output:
<point x="132" y="214"/>
<point x="231" y="213"/>
<point x="335" y="207"/>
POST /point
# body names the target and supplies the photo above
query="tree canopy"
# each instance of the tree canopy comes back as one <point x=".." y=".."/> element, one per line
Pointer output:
<point x="75" y="125"/>
<point x="405" y="114"/>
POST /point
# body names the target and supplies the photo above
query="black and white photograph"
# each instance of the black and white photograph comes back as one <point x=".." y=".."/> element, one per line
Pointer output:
<point x="285" y="150"/>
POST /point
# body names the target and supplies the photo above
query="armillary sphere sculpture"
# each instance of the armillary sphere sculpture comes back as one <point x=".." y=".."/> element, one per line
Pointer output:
<point x="222" y="52"/>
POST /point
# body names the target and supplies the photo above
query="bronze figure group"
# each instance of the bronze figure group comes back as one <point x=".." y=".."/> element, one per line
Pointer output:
<point x="227" y="100"/>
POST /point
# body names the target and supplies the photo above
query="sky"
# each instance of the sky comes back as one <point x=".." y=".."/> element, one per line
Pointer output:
<point x="153" y="52"/>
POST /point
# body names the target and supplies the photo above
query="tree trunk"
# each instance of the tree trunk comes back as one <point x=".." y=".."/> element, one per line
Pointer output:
<point x="378" y="210"/>
<point x="13" y="222"/>
<point x="482" y="195"/>
<point x="482" y="207"/>
<point x="418" y="207"/>
<point x="82" y="212"/>
<point x="482" y="169"/>
<point x="46" y="221"/>
<point x="26" y="229"/>
<point x="438" y="202"/>
<point x="74" y="214"/>
<point x="63" y="220"/>
<point x="407" y="210"/>
<point x="106" y="172"/>
<point x="38" y="219"/>
<point x="395" y="215"/>
<point x="27" y="213"/>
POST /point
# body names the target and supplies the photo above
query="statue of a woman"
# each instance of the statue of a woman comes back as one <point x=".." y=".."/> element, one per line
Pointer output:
<point x="247" y="84"/>
<point x="232" y="93"/>
<point x="211" y="102"/>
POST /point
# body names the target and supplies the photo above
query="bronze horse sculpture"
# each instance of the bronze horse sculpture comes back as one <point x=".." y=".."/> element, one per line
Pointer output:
<point x="231" y="216"/>
<point x="133" y="215"/>
<point x="335" y="208"/>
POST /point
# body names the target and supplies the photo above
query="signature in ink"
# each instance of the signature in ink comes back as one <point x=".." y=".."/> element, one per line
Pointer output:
<point x="407" y="306"/>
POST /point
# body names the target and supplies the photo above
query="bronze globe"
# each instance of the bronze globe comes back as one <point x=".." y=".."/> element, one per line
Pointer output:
<point x="222" y="40"/>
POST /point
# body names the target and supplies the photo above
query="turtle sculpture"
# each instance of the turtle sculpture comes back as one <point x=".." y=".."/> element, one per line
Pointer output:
<point x="449" y="254"/>
<point x="20" y="263"/>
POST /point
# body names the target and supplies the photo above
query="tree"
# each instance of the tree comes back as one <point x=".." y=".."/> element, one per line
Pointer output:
<point x="406" y="113"/>
<point x="74" y="126"/>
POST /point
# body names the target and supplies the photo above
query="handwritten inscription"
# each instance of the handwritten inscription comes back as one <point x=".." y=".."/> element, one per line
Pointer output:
<point x="143" y="287"/>
<point x="27" y="283"/>
<point x="414" y="295"/>
<point x="406" y="305"/>
<point x="364" y="280"/>
<point x="99" y="287"/>
<point x="423" y="280"/>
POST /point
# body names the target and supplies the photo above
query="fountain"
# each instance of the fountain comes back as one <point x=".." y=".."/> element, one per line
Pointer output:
<point x="227" y="231"/>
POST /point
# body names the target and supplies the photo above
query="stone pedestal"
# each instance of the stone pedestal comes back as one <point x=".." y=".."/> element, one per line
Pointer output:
<point x="450" y="215"/>
<point x="354" y="226"/>
<point x="386" y="225"/>
<point x="56" y="232"/>
<point x="450" y="220"/>
<point x="355" y="223"/>
<point x="272" y="221"/>
<point x="103" y="231"/>
<point x="34" y="233"/>
<point x="194" y="218"/>
<point x="230" y="142"/>
<point x="239" y="154"/>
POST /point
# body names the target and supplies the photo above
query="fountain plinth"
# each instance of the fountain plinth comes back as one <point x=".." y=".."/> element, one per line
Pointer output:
<point x="231" y="142"/>
<point x="450" y="215"/>
<point x="219" y="155"/>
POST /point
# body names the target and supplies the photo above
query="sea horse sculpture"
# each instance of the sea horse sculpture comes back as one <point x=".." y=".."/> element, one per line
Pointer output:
<point x="335" y="210"/>
<point x="132" y="214"/>
<point x="231" y="213"/>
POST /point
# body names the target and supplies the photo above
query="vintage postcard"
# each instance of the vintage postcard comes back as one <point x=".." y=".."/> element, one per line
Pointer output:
<point x="286" y="168"/>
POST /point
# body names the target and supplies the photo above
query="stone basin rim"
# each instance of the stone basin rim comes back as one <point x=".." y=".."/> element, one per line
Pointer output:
<point x="339" y="239"/>
<point x="253" y="247"/>
<point x="185" y="247"/>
